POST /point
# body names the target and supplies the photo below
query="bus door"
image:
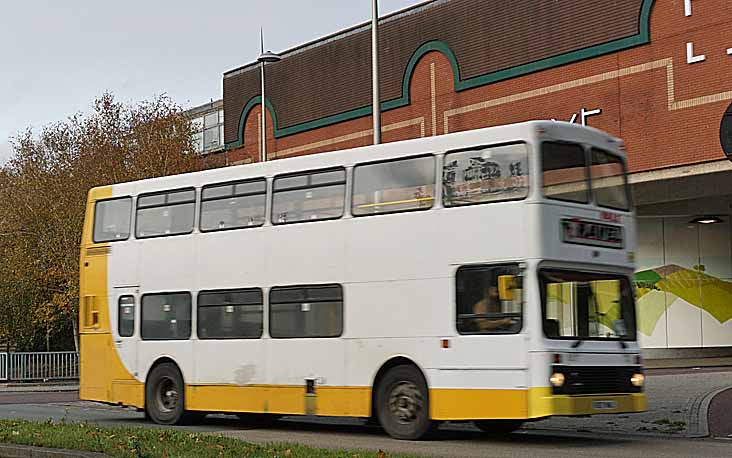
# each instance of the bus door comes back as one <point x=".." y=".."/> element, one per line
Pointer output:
<point x="126" y="327"/>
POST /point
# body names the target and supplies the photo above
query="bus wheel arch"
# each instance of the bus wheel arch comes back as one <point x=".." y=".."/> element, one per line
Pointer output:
<point x="400" y="385"/>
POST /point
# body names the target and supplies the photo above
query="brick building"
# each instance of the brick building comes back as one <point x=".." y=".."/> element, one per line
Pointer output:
<point x="655" y="73"/>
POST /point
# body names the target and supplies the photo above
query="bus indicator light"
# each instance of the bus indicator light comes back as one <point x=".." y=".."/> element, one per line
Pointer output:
<point x="557" y="379"/>
<point x="638" y="380"/>
<point x="445" y="343"/>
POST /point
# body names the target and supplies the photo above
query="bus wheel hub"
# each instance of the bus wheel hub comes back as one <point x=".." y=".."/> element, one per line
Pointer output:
<point x="405" y="402"/>
<point x="168" y="395"/>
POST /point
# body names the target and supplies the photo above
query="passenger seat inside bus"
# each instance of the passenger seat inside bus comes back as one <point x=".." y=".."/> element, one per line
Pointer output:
<point x="551" y="328"/>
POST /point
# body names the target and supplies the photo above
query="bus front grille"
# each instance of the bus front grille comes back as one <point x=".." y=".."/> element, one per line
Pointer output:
<point x="596" y="379"/>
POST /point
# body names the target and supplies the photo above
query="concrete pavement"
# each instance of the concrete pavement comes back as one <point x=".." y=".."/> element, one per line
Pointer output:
<point x="720" y="414"/>
<point x="24" y="451"/>
<point x="38" y="387"/>
<point x="44" y="397"/>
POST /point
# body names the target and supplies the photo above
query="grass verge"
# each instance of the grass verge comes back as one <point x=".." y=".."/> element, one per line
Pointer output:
<point x="157" y="443"/>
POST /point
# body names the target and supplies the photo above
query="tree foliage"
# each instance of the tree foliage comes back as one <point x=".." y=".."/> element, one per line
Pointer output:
<point x="43" y="189"/>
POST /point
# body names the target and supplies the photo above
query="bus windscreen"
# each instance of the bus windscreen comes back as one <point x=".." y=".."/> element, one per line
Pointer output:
<point x="587" y="306"/>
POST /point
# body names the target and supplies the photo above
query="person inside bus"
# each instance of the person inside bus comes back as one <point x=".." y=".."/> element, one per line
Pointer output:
<point x="490" y="303"/>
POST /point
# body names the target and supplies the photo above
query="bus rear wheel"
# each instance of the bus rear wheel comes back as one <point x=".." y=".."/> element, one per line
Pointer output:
<point x="402" y="403"/>
<point x="498" y="427"/>
<point x="164" y="396"/>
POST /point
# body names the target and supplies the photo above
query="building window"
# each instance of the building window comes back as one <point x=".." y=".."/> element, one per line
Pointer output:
<point x="230" y="314"/>
<point x="126" y="316"/>
<point x="394" y="186"/>
<point x="306" y="311"/>
<point x="233" y="205"/>
<point x="166" y="213"/>
<point x="166" y="316"/>
<point x="208" y="131"/>
<point x="489" y="299"/>
<point x="112" y="220"/>
<point x="309" y="196"/>
<point x="486" y="174"/>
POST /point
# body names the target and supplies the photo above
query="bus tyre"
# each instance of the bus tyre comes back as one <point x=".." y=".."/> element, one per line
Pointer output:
<point x="498" y="427"/>
<point x="165" y="396"/>
<point x="402" y="403"/>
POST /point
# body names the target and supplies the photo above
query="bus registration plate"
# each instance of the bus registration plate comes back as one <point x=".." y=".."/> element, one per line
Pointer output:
<point x="604" y="405"/>
<point x="583" y="232"/>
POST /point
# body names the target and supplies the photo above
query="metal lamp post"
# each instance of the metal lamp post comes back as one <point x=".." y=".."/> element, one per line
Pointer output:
<point x="265" y="58"/>
<point x="376" y="103"/>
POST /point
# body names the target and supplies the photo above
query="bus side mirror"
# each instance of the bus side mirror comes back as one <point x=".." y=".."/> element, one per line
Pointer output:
<point x="506" y="285"/>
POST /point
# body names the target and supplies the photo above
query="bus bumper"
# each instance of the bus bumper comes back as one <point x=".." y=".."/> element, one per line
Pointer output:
<point x="598" y="404"/>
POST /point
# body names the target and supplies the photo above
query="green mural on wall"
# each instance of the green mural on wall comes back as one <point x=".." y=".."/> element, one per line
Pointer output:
<point x="658" y="288"/>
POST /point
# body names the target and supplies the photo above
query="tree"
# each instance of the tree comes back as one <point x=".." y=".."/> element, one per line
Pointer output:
<point x="44" y="186"/>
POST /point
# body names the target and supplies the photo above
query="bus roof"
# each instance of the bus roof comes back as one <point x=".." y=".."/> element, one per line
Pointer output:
<point x="490" y="135"/>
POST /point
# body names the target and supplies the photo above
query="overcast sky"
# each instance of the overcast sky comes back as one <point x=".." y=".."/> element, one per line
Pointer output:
<point x="56" y="56"/>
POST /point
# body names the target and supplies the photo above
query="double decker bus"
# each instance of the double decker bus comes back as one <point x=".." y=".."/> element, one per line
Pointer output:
<point x="479" y="276"/>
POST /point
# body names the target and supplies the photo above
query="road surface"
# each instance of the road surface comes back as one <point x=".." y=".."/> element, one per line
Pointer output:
<point x="458" y="440"/>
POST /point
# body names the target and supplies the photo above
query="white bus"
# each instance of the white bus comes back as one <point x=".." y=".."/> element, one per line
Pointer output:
<point x="479" y="276"/>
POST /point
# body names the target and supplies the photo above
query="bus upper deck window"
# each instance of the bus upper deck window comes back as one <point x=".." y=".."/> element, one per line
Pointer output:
<point x="394" y="186"/>
<point x="309" y="196"/>
<point x="233" y="205"/>
<point x="608" y="180"/>
<point x="564" y="172"/>
<point x="112" y="220"/>
<point x="165" y="213"/>
<point x="486" y="174"/>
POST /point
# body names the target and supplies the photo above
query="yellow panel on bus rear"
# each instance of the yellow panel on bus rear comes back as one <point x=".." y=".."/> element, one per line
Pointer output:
<point x="103" y="377"/>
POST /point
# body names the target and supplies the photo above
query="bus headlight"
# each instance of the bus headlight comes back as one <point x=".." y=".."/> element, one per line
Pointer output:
<point x="557" y="379"/>
<point x="638" y="380"/>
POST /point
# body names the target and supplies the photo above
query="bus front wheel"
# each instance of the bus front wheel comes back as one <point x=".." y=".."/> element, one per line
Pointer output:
<point x="402" y="403"/>
<point x="164" y="395"/>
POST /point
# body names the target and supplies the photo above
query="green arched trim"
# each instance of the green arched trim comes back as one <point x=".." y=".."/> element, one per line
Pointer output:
<point x="430" y="46"/>
<point x="253" y="102"/>
<point x="641" y="38"/>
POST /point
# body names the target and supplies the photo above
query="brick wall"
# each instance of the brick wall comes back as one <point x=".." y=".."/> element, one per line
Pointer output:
<point x="667" y="110"/>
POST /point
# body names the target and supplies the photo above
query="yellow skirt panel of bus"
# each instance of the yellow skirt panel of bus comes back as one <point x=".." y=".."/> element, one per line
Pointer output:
<point x="103" y="377"/>
<point x="445" y="404"/>
<point x="279" y="399"/>
<point x="466" y="404"/>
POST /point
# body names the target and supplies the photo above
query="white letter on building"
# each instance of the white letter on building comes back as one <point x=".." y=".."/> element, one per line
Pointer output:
<point x="690" y="57"/>
<point x="687" y="8"/>
<point x="584" y="114"/>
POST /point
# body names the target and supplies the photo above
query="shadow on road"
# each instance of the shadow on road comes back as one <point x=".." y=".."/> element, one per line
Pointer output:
<point x="446" y="432"/>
